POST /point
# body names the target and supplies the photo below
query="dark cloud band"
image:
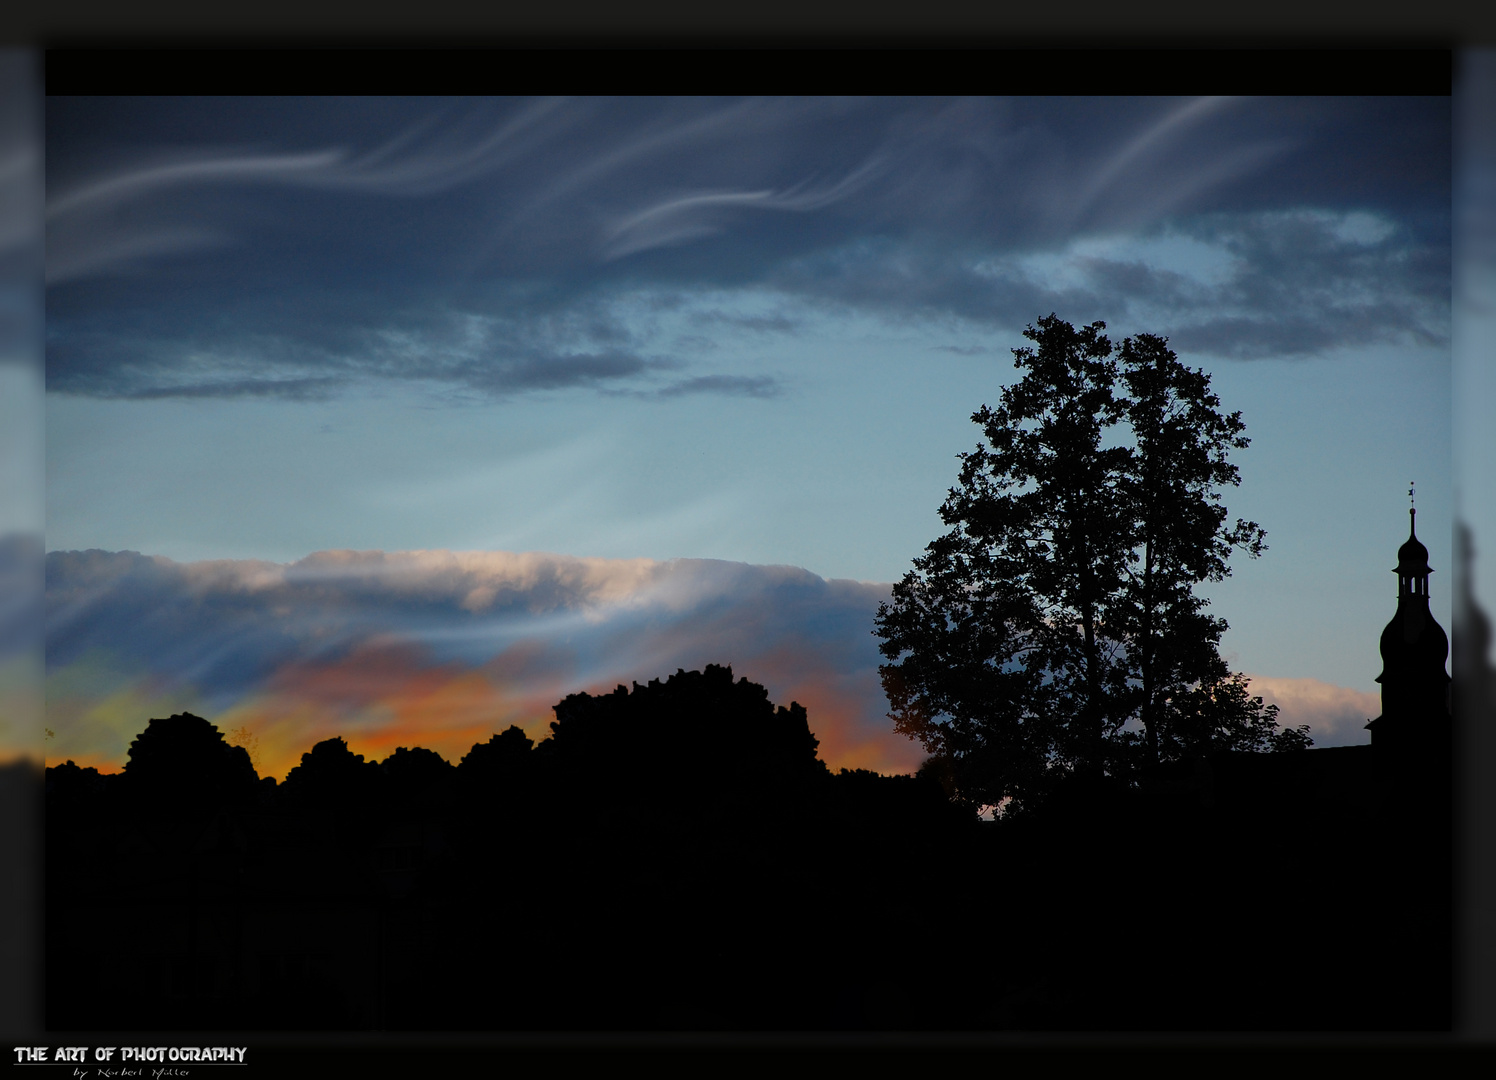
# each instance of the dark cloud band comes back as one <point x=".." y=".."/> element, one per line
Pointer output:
<point x="499" y="248"/>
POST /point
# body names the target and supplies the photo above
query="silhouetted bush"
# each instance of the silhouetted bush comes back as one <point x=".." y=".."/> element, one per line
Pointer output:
<point x="503" y="753"/>
<point x="184" y="760"/>
<point x="698" y="738"/>
<point x="416" y="773"/>
<point x="331" y="775"/>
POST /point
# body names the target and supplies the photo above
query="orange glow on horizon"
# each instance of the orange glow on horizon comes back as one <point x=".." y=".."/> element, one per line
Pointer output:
<point x="386" y="695"/>
<point x="382" y="697"/>
<point x="87" y="761"/>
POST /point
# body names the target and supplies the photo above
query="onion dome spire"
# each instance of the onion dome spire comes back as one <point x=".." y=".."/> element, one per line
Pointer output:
<point x="1412" y="568"/>
<point x="1415" y="685"/>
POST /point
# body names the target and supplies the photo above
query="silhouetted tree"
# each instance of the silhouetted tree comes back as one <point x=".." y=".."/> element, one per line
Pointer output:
<point x="1059" y="606"/>
<point x="1187" y="700"/>
<point x="77" y="795"/>
<point x="696" y="738"/>
<point x="505" y="752"/>
<point x="694" y="717"/>
<point x="185" y="758"/>
<point x="1220" y="713"/>
<point x="416" y="774"/>
<point x="417" y="766"/>
<point x="999" y="660"/>
<point x="331" y="775"/>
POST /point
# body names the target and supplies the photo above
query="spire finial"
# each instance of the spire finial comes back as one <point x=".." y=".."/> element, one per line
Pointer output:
<point x="1412" y="509"/>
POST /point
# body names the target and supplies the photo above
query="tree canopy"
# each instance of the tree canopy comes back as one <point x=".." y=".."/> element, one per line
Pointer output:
<point x="1054" y="631"/>
<point x="184" y="758"/>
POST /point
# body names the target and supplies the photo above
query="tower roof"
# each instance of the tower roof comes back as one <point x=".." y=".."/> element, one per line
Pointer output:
<point x="1412" y="557"/>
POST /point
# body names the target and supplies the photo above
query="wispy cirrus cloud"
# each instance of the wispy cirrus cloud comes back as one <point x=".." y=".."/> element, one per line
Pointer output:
<point x="1144" y="152"/>
<point x="472" y="245"/>
<point x="88" y="232"/>
<point x="697" y="215"/>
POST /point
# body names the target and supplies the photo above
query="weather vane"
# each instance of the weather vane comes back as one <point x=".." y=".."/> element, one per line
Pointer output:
<point x="1410" y="492"/>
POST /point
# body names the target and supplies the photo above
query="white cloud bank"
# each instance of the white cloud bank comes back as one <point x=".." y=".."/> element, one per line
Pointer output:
<point x="1336" y="715"/>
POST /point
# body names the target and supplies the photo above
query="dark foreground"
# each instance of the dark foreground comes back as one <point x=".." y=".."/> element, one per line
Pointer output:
<point x="678" y="858"/>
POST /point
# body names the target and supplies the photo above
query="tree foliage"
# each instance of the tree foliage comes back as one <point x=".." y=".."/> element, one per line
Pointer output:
<point x="183" y="758"/>
<point x="1054" y="630"/>
<point x="698" y="736"/>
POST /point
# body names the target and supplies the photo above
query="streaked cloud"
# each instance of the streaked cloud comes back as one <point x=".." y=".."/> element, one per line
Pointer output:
<point x="702" y="214"/>
<point x="88" y="235"/>
<point x="440" y="648"/>
<point x="491" y="248"/>
<point x="759" y="386"/>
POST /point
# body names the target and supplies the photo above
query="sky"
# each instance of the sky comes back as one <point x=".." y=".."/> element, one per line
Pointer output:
<point x="407" y="417"/>
<point x="22" y="406"/>
<point x="1474" y="339"/>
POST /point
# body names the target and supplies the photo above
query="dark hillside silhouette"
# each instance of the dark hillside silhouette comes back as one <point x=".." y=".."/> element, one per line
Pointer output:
<point x="588" y="883"/>
<point x="674" y="855"/>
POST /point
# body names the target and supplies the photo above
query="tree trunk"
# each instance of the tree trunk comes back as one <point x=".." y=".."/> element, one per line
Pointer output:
<point x="1094" y="759"/>
<point x="1149" y="719"/>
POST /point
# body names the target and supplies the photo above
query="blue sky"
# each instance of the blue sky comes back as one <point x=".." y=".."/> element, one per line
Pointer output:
<point x="741" y="330"/>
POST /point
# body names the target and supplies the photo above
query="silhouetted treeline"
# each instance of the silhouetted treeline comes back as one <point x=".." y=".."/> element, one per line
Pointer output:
<point x="676" y="855"/>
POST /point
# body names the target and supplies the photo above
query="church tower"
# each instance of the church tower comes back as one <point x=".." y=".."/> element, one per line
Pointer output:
<point x="1415" y="686"/>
